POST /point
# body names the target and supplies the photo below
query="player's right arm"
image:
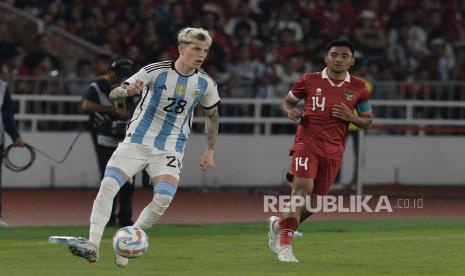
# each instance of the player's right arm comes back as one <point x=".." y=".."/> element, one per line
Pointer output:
<point x="132" y="86"/>
<point x="290" y="108"/>
<point x="91" y="104"/>
<point x="298" y="92"/>
<point x="127" y="90"/>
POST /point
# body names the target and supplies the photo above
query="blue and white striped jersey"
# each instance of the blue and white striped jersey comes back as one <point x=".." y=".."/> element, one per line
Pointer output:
<point x="163" y="116"/>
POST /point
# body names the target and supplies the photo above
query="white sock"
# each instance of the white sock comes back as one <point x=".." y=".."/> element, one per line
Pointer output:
<point x="101" y="210"/>
<point x="275" y="226"/>
<point x="153" y="211"/>
<point x="164" y="193"/>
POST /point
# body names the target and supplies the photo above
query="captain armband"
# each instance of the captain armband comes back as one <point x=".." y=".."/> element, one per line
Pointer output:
<point x="363" y="107"/>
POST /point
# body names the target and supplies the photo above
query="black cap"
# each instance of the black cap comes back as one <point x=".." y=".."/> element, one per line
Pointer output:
<point x="122" y="67"/>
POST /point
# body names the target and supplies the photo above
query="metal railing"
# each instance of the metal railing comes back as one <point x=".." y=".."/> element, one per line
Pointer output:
<point x="260" y="114"/>
<point x="47" y="85"/>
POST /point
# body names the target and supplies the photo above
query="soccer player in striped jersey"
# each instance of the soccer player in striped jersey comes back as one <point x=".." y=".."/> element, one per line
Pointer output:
<point x="157" y="134"/>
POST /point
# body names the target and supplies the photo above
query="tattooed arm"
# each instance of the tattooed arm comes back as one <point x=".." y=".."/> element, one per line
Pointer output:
<point x="211" y="129"/>
<point x="125" y="90"/>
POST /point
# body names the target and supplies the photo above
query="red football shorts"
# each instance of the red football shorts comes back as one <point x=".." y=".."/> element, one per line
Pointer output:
<point x="323" y="171"/>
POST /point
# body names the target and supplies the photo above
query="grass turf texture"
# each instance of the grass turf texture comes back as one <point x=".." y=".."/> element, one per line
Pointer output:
<point x="369" y="247"/>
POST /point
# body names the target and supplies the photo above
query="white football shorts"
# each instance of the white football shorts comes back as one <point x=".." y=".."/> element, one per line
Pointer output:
<point x="133" y="158"/>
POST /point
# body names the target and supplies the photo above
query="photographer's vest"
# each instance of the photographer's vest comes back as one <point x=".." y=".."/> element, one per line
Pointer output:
<point x="3" y="86"/>
<point x="102" y="138"/>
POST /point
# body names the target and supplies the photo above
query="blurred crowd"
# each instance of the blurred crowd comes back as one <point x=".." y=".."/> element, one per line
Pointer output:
<point x="260" y="47"/>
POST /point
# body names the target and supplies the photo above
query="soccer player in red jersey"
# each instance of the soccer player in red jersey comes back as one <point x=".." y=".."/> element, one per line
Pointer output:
<point x="330" y="97"/>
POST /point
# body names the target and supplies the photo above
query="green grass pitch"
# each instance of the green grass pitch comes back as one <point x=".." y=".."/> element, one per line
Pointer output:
<point x="369" y="247"/>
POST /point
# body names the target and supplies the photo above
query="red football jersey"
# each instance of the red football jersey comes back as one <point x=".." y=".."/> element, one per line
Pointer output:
<point x="319" y="131"/>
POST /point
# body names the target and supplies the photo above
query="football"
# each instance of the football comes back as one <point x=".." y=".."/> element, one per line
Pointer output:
<point x="130" y="242"/>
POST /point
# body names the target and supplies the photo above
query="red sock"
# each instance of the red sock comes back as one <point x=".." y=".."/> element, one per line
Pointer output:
<point x="288" y="226"/>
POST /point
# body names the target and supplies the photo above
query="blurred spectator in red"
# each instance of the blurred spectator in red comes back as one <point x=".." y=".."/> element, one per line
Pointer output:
<point x="335" y="17"/>
<point x="123" y="29"/>
<point x="102" y="64"/>
<point x="243" y="38"/>
<point x="459" y="70"/>
<point x="177" y="20"/>
<point x="221" y="47"/>
<point x="40" y="66"/>
<point x="12" y="66"/>
<point x="122" y="26"/>
<point x="370" y="37"/>
<point x="135" y="55"/>
<point x="286" y="19"/>
<point x="82" y="78"/>
<point x="287" y="46"/>
<point x="150" y="41"/>
<point x="11" y="59"/>
<point x="414" y="89"/>
<point x="44" y="45"/>
<point x="435" y="27"/>
<point x="245" y="74"/>
<point x="417" y="36"/>
<point x="112" y="41"/>
<point x="441" y="61"/>
<point x="90" y="30"/>
<point x="243" y="13"/>
<point x="287" y="74"/>
<point x="399" y="54"/>
<point x="309" y="27"/>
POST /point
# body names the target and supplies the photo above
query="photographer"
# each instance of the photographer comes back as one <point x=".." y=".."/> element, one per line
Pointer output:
<point x="108" y="124"/>
<point x="7" y="123"/>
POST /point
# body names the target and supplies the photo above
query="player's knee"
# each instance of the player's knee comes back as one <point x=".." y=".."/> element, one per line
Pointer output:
<point x="108" y="188"/>
<point x="112" y="181"/>
<point x="114" y="176"/>
<point x="164" y="192"/>
<point x="301" y="188"/>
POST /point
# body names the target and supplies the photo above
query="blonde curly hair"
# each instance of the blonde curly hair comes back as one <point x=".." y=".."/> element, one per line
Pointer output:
<point x="189" y="35"/>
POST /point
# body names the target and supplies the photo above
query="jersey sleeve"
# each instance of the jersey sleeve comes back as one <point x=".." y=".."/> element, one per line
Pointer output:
<point x="141" y="75"/>
<point x="363" y="104"/>
<point x="211" y="98"/>
<point x="299" y="89"/>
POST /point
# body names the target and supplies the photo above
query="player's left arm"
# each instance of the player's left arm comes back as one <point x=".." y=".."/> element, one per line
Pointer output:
<point x="212" y="124"/>
<point x="364" y="119"/>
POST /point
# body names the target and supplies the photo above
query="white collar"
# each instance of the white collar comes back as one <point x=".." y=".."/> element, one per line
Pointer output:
<point x="324" y="75"/>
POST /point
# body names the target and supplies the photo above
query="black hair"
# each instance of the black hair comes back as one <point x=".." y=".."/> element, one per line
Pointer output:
<point x="104" y="58"/>
<point x="8" y="51"/>
<point x="242" y="25"/>
<point x="38" y="38"/>
<point x="201" y="37"/>
<point x="33" y="61"/>
<point x="341" y="43"/>
<point x="83" y="62"/>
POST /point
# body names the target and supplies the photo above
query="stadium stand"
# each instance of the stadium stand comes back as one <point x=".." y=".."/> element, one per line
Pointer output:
<point x="255" y="40"/>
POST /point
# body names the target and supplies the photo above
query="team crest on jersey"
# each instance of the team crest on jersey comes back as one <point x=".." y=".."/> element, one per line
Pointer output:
<point x="180" y="89"/>
<point x="318" y="91"/>
<point x="349" y="94"/>
<point x="196" y="92"/>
